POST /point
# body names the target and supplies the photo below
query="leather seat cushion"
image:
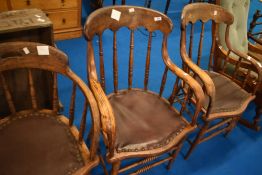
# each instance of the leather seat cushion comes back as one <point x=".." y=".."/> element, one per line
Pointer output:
<point x="229" y="96"/>
<point x="143" y="120"/>
<point x="38" y="144"/>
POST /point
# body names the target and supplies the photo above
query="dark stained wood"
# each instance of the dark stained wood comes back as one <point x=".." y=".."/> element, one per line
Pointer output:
<point x="22" y="25"/>
<point x="191" y="40"/>
<point x="8" y="95"/>
<point x="55" y="93"/>
<point x="72" y="105"/>
<point x="101" y="59"/>
<point x="83" y="122"/>
<point x="115" y="66"/>
<point x="163" y="83"/>
<point x="131" y="60"/>
<point x="32" y="89"/>
<point x="57" y="64"/>
<point x="199" y="55"/>
<point x="148" y="61"/>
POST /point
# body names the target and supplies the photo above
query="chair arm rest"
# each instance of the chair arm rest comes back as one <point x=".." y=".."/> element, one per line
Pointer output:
<point x="257" y="40"/>
<point x="257" y="65"/>
<point x="193" y="84"/>
<point x="203" y="76"/>
<point x="254" y="48"/>
<point x="106" y="112"/>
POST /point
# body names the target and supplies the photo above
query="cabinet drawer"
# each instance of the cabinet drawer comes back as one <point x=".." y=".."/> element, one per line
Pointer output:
<point x="3" y="5"/>
<point x="44" y="5"/>
<point x="64" y="19"/>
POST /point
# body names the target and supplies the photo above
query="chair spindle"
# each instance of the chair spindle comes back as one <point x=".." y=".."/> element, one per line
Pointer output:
<point x="200" y="43"/>
<point x="55" y="93"/>
<point x="237" y="68"/>
<point x="163" y="83"/>
<point x="131" y="60"/>
<point x="101" y="61"/>
<point x="148" y="61"/>
<point x="225" y="61"/>
<point x="191" y="40"/>
<point x="246" y="78"/>
<point x="72" y="105"/>
<point x="174" y="92"/>
<point x="115" y="67"/>
<point x="8" y="95"/>
<point x="83" y="121"/>
<point x="211" y="56"/>
<point x="32" y="89"/>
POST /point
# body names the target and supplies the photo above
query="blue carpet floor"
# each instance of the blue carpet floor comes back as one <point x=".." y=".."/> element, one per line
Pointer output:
<point x="238" y="154"/>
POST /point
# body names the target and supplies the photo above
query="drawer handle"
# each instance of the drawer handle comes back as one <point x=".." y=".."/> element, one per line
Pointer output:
<point x="64" y="20"/>
<point x="28" y="2"/>
<point x="63" y="1"/>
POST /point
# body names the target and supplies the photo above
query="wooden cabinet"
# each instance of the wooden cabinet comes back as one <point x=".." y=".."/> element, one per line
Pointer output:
<point x="64" y="14"/>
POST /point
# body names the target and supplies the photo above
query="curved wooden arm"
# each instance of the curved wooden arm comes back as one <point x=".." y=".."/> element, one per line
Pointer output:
<point x="106" y="111"/>
<point x="255" y="48"/>
<point x="259" y="41"/>
<point x="206" y="80"/>
<point x="193" y="84"/>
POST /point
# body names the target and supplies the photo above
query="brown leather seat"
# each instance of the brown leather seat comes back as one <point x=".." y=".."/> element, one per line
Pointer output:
<point x="229" y="96"/>
<point x="26" y="138"/>
<point x="141" y="127"/>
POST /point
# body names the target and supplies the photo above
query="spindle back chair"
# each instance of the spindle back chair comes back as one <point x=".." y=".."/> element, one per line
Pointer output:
<point x="43" y="141"/>
<point x="225" y="99"/>
<point x="137" y="122"/>
<point x="240" y="41"/>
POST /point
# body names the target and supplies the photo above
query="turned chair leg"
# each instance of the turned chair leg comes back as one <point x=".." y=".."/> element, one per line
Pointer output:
<point x="115" y="168"/>
<point x="174" y="154"/>
<point x="197" y="139"/>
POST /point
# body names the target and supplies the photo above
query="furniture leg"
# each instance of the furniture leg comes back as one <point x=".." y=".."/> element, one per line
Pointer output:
<point x="115" y="168"/>
<point x="197" y="139"/>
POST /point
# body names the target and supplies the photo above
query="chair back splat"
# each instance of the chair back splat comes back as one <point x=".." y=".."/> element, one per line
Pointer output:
<point x="138" y="116"/>
<point x="41" y="133"/>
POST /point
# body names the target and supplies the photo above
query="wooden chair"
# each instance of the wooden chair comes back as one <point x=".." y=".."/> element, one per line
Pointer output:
<point x="43" y="141"/>
<point x="238" y="36"/>
<point x="137" y="122"/>
<point x="225" y="100"/>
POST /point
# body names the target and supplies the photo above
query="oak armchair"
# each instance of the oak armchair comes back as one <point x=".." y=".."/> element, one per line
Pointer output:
<point x="137" y="122"/>
<point x="43" y="141"/>
<point x="239" y="38"/>
<point x="225" y="99"/>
